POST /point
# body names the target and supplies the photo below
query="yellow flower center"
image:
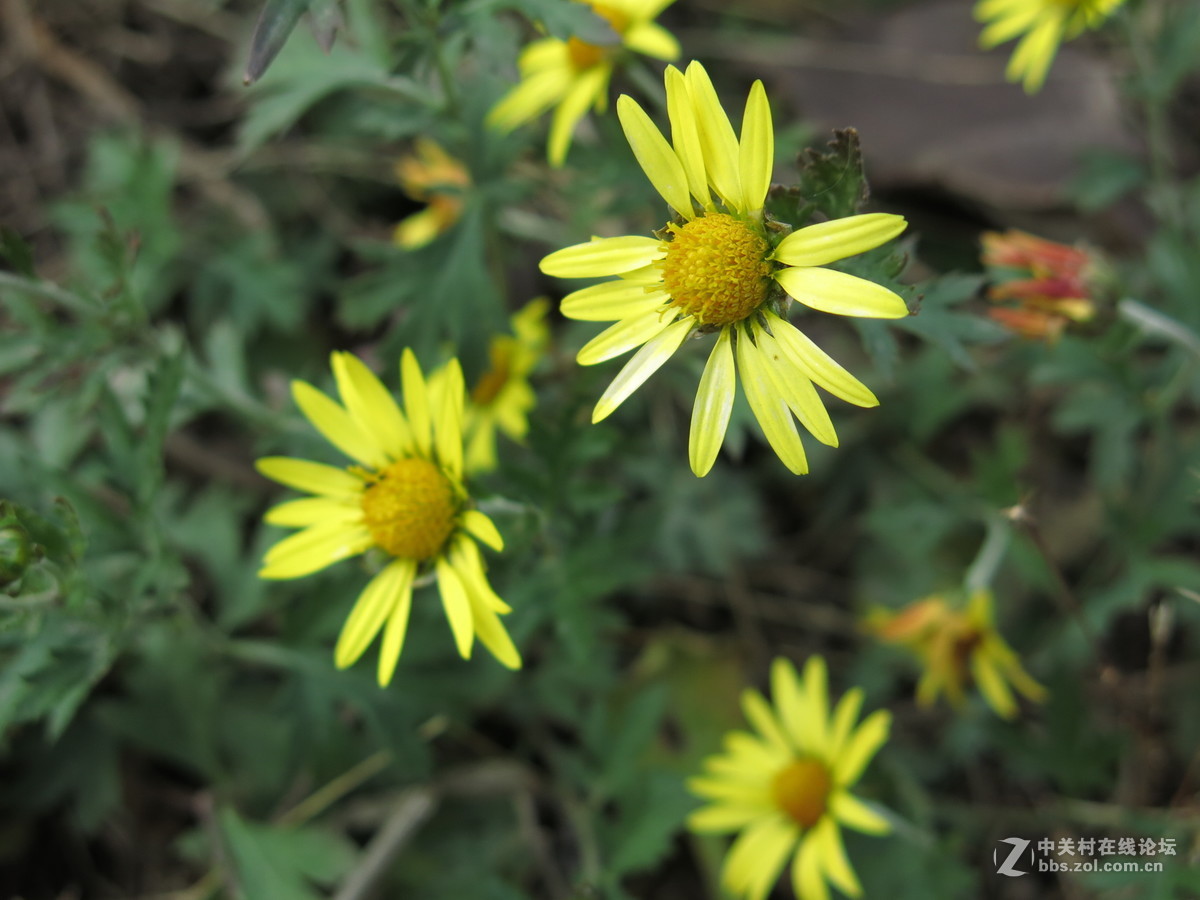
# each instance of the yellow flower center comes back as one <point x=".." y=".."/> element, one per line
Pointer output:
<point x="583" y="55"/>
<point x="716" y="269"/>
<point x="410" y="509"/>
<point x="802" y="790"/>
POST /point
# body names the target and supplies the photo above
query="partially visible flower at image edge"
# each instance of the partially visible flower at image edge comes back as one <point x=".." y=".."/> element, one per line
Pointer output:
<point x="432" y="176"/>
<point x="500" y="400"/>
<point x="956" y="646"/>
<point x="719" y="268"/>
<point x="573" y="75"/>
<point x="1042" y="26"/>
<point x="404" y="496"/>
<point x="786" y="786"/>
<point x="1055" y="284"/>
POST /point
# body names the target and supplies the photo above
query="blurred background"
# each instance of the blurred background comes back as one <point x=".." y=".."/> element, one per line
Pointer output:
<point x="177" y="246"/>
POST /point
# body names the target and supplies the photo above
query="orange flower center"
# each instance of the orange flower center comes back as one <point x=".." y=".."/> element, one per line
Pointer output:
<point x="410" y="509"/>
<point x="802" y="790"/>
<point x="716" y="269"/>
<point x="584" y="55"/>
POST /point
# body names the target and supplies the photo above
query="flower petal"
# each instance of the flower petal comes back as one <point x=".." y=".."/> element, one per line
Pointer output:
<point x="1031" y="60"/>
<point x="790" y="701"/>
<point x="371" y="404"/>
<point x="457" y="606"/>
<point x="816" y="695"/>
<point x="862" y="745"/>
<point x="716" y="137"/>
<point x="603" y="256"/>
<point x="714" y="403"/>
<point x="371" y="610"/>
<point x="314" y="549"/>
<point x="624" y="336"/>
<point x="490" y="630"/>
<point x="722" y="817"/>
<point x="416" y="403"/>
<point x="589" y="85"/>
<point x="794" y="387"/>
<point x="826" y="242"/>
<point x="756" y="151"/>
<point x="845" y="295"/>
<point x="808" y="883"/>
<point x="757" y="856"/>
<point x="769" y="408"/>
<point x="655" y="156"/>
<point x="854" y="813"/>
<point x="312" y="511"/>
<point x="396" y="627"/>
<point x="992" y="686"/>
<point x="316" y="478"/>
<point x="611" y="301"/>
<point x="535" y="94"/>
<point x="641" y="366"/>
<point x="652" y="40"/>
<point x="448" y="415"/>
<point x="760" y="715"/>
<point x="844" y="716"/>
<point x="337" y="426"/>
<point x="685" y="136"/>
<point x="482" y="528"/>
<point x="818" y="365"/>
<point x="833" y="857"/>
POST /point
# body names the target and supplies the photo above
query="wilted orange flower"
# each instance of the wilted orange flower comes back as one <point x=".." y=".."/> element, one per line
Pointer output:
<point x="957" y="646"/>
<point x="1057" y="290"/>
<point x="430" y="175"/>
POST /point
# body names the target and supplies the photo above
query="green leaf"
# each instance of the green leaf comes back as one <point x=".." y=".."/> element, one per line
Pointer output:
<point x="832" y="183"/>
<point x="165" y="382"/>
<point x="276" y="22"/>
<point x="281" y="862"/>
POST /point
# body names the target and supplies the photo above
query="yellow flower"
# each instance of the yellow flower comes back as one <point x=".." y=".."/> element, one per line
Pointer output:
<point x="787" y="787"/>
<point x="1045" y="24"/>
<point x="721" y="267"/>
<point x="404" y="497"/>
<point x="573" y="75"/>
<point x="502" y="397"/>
<point x="431" y="176"/>
<point x="955" y="646"/>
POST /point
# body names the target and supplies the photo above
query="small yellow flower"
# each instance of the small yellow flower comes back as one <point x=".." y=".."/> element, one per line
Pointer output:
<point x="786" y="788"/>
<point x="956" y="646"/>
<point x="1045" y="24"/>
<point x="431" y="176"/>
<point x="573" y="75"/>
<point x="502" y="397"/>
<point x="405" y="497"/>
<point x="718" y="267"/>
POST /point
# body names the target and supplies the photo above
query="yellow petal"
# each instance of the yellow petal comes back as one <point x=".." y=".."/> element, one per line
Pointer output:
<point x="826" y="242"/>
<point x="611" y="301"/>
<point x="395" y="629"/>
<point x="419" y="229"/>
<point x="371" y="610"/>
<point x="468" y="563"/>
<point x="808" y="883"/>
<point x="722" y="817"/>
<point x="624" y="336"/>
<point x="1031" y="60"/>
<point x="685" y="136"/>
<point x="756" y="151"/>
<point x="337" y="426"/>
<point x="655" y="156"/>
<point x="588" y="87"/>
<point x="845" y="295"/>
<point x="861" y="746"/>
<point x="316" y="478"/>
<point x="796" y="390"/>
<point x="416" y="403"/>
<point x="529" y="99"/>
<point x="313" y="549"/>
<point x="790" y="701"/>
<point x="482" y="528"/>
<point x="448" y="414"/>
<point x="716" y="136"/>
<point x="652" y="40"/>
<point x="844" y="717"/>
<point x="833" y="857"/>
<point x="853" y="813"/>
<point x="733" y="791"/>
<point x="816" y="696"/>
<point x="312" y="511"/>
<point x="818" y="365"/>
<point x="1007" y="27"/>
<point x="758" y="856"/>
<point x="992" y="686"/>
<point x="641" y="366"/>
<point x="371" y="404"/>
<point x="714" y="403"/>
<point x="771" y="410"/>
<point x="603" y="256"/>
<point x="492" y="633"/>
<point x="457" y="606"/>
<point x="760" y="715"/>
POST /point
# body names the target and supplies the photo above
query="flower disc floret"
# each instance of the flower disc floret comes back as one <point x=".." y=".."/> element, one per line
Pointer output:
<point x="716" y="269"/>
<point x="801" y="789"/>
<point x="410" y="509"/>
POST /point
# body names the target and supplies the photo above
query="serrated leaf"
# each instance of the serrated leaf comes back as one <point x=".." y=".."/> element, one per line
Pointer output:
<point x="165" y="382"/>
<point x="831" y="183"/>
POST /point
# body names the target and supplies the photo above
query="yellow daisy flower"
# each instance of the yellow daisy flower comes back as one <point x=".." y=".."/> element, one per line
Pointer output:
<point x="956" y="646"/>
<point x="786" y="787"/>
<point x="1044" y="25"/>
<point x="430" y="175"/>
<point x="721" y="266"/>
<point x="502" y="397"/>
<point x="404" y="496"/>
<point x="573" y="75"/>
